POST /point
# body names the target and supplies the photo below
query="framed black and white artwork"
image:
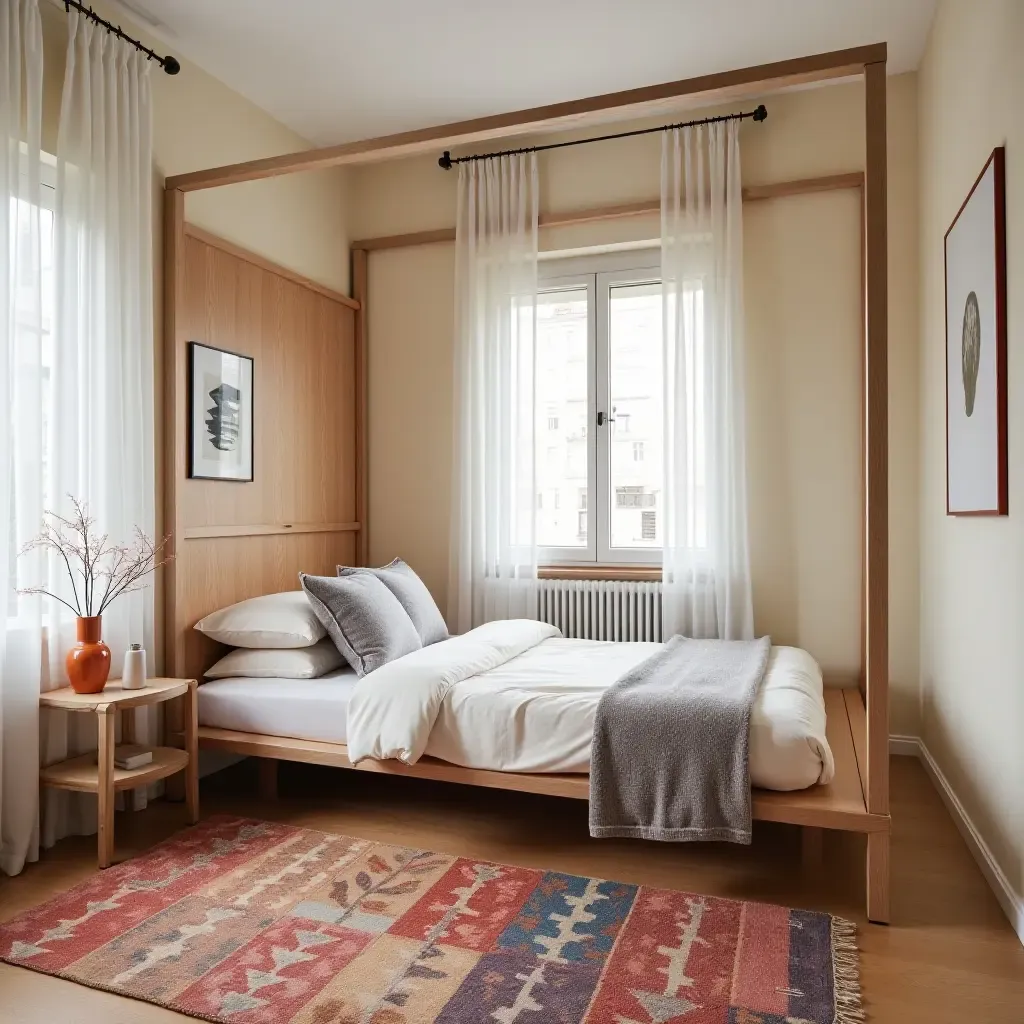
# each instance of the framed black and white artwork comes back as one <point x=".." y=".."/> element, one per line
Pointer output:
<point x="976" y="456"/>
<point x="220" y="414"/>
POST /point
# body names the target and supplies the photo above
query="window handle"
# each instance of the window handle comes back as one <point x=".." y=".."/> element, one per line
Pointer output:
<point x="603" y="418"/>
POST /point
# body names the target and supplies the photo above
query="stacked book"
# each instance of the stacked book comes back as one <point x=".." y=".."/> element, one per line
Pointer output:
<point x="131" y="755"/>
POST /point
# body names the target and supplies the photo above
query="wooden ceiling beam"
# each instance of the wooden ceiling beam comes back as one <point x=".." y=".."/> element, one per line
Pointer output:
<point x="718" y="87"/>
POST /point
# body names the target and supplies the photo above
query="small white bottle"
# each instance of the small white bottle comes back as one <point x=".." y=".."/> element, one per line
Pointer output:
<point x="133" y="677"/>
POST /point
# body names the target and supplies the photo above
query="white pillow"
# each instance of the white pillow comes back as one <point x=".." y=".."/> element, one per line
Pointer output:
<point x="273" y="621"/>
<point x="297" y="663"/>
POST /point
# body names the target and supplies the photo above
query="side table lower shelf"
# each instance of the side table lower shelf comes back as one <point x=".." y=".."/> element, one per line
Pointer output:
<point x="82" y="774"/>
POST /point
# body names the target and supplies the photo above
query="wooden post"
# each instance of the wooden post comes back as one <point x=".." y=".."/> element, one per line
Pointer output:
<point x="106" y="723"/>
<point x="360" y="283"/>
<point x="267" y="767"/>
<point x="876" y="470"/>
<point x="812" y="846"/>
<point x="174" y="453"/>
<point x="174" y="444"/>
<point x="192" y="747"/>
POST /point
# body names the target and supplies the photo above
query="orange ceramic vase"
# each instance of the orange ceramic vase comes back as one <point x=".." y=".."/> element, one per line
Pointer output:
<point x="88" y="662"/>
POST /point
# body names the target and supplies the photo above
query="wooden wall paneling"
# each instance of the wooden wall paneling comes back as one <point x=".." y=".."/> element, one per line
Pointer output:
<point x="360" y="288"/>
<point x="304" y="388"/>
<point x="240" y="540"/>
<point x="259" y="261"/>
<point x="223" y="570"/>
<point x="259" y="529"/>
<point x="630" y="103"/>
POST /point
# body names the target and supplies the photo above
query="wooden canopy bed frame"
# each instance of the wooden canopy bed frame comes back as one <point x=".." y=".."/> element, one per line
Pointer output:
<point x="228" y="549"/>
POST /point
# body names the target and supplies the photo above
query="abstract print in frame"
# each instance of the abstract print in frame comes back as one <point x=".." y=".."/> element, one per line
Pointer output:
<point x="220" y="414"/>
<point x="976" y="400"/>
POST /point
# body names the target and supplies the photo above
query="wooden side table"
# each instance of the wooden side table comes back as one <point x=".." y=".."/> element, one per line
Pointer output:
<point x="83" y="774"/>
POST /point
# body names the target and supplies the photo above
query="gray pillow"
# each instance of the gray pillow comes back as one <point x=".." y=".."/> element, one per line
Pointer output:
<point x="412" y="595"/>
<point x="363" y="618"/>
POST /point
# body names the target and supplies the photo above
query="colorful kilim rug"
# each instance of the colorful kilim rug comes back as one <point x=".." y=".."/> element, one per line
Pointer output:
<point x="260" y="923"/>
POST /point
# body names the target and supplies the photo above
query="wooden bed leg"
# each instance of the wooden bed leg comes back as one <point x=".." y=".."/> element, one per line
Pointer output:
<point x="878" y="877"/>
<point x="174" y="736"/>
<point x="811" y="844"/>
<point x="268" y="778"/>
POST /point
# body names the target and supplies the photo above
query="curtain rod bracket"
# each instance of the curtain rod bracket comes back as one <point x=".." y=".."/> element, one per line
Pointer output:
<point x="446" y="161"/>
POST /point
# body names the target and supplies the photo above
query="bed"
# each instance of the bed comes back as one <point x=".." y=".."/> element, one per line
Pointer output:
<point x="309" y="510"/>
<point x="532" y="714"/>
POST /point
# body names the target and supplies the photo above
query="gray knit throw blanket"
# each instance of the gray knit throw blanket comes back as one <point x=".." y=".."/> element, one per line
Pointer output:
<point x="670" y="756"/>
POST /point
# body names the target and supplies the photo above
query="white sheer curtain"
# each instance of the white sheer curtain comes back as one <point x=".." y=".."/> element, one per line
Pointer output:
<point x="493" y="553"/>
<point x="22" y="424"/>
<point x="707" y="590"/>
<point x="103" y="415"/>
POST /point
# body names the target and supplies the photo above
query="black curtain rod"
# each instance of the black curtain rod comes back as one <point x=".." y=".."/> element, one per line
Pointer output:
<point x="447" y="161"/>
<point x="169" y="64"/>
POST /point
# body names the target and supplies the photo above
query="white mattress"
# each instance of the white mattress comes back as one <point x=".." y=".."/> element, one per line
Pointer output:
<point x="303" y="709"/>
<point x="536" y="712"/>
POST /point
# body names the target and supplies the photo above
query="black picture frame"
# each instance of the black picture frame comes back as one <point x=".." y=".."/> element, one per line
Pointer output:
<point x="994" y="259"/>
<point x="196" y="433"/>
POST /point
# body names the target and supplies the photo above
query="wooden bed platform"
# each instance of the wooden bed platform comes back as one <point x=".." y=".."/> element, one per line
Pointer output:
<point x="839" y="805"/>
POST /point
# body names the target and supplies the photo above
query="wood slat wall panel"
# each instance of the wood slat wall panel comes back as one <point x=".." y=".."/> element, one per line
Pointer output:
<point x="305" y="445"/>
<point x="304" y="384"/>
<point x="223" y="570"/>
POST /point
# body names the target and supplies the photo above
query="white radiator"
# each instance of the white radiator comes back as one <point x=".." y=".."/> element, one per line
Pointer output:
<point x="601" y="609"/>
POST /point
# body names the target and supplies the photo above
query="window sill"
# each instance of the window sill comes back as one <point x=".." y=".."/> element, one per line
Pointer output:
<point x="639" y="573"/>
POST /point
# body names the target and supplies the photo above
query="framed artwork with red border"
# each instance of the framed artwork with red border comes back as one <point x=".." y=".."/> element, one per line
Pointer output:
<point x="976" y="399"/>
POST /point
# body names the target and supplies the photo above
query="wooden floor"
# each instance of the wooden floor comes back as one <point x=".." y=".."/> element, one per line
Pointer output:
<point x="949" y="955"/>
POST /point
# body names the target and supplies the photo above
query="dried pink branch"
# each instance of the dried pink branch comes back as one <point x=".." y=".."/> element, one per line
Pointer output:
<point x="102" y="569"/>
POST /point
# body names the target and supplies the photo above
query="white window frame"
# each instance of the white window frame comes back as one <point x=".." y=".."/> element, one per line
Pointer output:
<point x="598" y="274"/>
<point x="11" y="606"/>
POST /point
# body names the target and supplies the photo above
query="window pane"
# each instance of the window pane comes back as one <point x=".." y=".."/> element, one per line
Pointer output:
<point x="634" y="388"/>
<point x="561" y="396"/>
<point x="33" y="359"/>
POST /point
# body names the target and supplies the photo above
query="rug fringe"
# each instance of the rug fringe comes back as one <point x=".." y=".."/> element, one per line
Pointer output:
<point x="846" y="973"/>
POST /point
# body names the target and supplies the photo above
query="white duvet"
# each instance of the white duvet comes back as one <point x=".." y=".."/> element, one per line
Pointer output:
<point x="515" y="696"/>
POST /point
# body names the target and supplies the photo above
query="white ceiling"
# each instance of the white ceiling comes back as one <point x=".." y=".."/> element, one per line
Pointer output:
<point x="337" y="70"/>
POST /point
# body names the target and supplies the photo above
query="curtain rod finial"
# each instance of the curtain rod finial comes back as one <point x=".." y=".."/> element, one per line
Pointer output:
<point x="171" y="66"/>
<point x="445" y="161"/>
<point x="761" y="114"/>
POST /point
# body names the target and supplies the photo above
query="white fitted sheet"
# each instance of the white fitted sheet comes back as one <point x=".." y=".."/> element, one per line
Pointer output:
<point x="303" y="709"/>
<point x="535" y="713"/>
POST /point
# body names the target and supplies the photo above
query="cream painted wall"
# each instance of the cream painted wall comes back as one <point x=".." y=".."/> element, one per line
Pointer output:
<point x="972" y="586"/>
<point x="298" y="221"/>
<point x="803" y="306"/>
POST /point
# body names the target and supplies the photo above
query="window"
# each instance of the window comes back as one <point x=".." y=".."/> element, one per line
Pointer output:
<point x="599" y="366"/>
<point x="648" y="525"/>
<point x="552" y="423"/>
<point x="31" y="334"/>
<point x="633" y="497"/>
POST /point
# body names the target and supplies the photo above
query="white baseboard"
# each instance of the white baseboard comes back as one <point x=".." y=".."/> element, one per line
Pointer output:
<point x="1012" y="904"/>
<point x="905" y="746"/>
